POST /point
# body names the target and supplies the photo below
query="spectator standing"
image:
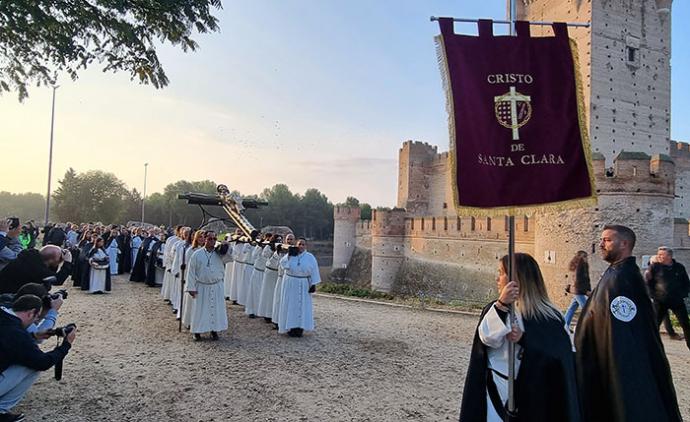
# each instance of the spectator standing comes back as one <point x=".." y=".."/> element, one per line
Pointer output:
<point x="669" y="285"/>
<point x="581" y="288"/>
<point x="9" y="243"/>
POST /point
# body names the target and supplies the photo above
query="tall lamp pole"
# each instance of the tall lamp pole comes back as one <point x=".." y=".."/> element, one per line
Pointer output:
<point x="50" y="157"/>
<point x="143" y="199"/>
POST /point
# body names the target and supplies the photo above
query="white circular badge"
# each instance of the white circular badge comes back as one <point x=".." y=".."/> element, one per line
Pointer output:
<point x="623" y="308"/>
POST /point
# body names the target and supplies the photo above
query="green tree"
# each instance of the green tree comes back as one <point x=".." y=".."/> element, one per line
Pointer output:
<point x="26" y="206"/>
<point x="41" y="38"/>
<point x="91" y="196"/>
<point x="365" y="211"/>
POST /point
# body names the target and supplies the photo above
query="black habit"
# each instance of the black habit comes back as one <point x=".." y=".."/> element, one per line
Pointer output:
<point x="623" y="373"/>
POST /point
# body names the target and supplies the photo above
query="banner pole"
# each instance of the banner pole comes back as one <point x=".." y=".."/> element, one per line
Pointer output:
<point x="511" y="413"/>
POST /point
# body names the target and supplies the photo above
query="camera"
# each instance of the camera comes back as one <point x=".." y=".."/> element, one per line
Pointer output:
<point x="62" y="331"/>
<point x="62" y="293"/>
<point x="13" y="222"/>
<point x="293" y="251"/>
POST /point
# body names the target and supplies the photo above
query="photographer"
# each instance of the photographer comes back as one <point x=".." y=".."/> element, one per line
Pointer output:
<point x="9" y="243"/>
<point x="20" y="357"/>
<point x="33" y="266"/>
<point x="49" y="312"/>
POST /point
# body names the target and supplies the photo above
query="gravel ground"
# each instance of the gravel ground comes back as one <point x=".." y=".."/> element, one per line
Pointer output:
<point x="365" y="362"/>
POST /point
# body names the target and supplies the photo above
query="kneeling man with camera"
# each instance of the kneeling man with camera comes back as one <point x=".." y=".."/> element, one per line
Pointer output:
<point x="20" y="358"/>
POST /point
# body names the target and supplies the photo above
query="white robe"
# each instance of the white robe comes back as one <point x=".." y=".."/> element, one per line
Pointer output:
<point x="176" y="274"/>
<point x="136" y="244"/>
<point x="187" y="299"/>
<point x="113" y="251"/>
<point x="229" y="267"/>
<point x="277" y="294"/>
<point x="296" y="309"/>
<point x="255" y="279"/>
<point x="236" y="270"/>
<point x="206" y="278"/>
<point x="492" y="332"/>
<point x="268" y="286"/>
<point x="168" y="254"/>
<point x="97" y="276"/>
<point x="243" y="259"/>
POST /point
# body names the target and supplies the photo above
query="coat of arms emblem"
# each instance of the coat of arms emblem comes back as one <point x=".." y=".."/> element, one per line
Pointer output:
<point x="513" y="110"/>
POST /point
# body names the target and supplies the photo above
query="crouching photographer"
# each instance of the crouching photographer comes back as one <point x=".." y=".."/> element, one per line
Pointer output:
<point x="49" y="266"/>
<point x="21" y="360"/>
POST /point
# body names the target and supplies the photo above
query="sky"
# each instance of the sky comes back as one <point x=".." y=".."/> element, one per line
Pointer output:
<point x="309" y="93"/>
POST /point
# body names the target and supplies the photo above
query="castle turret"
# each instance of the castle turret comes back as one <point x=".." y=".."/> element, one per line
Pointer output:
<point x="638" y="192"/>
<point x="344" y="233"/>
<point x="387" y="248"/>
<point x="680" y="153"/>
<point x="413" y="169"/>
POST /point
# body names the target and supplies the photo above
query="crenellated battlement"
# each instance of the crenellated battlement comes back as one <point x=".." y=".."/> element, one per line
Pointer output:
<point x="346" y="213"/>
<point x="679" y="150"/>
<point x="635" y="173"/>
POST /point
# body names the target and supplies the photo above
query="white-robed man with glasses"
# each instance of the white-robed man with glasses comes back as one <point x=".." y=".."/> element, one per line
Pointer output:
<point x="301" y="275"/>
<point x="205" y="285"/>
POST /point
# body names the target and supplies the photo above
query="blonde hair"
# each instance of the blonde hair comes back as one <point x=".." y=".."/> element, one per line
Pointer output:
<point x="533" y="300"/>
<point x="196" y="238"/>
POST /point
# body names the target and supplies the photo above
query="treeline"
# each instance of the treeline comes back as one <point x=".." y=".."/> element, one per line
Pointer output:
<point x="99" y="196"/>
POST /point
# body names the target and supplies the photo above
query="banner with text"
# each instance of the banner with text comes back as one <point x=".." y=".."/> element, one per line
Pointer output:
<point x="517" y="123"/>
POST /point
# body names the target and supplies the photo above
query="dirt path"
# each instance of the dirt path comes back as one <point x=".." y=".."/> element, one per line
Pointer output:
<point x="364" y="363"/>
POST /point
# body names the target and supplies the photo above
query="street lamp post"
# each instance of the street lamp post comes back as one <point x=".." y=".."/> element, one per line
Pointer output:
<point x="143" y="198"/>
<point x="50" y="157"/>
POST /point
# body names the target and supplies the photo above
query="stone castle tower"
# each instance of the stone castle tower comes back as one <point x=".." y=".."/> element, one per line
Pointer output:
<point x="626" y="73"/>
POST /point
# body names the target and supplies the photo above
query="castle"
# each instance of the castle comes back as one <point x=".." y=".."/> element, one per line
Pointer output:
<point x="641" y="175"/>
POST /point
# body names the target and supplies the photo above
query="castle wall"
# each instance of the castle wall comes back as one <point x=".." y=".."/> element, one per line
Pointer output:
<point x="344" y="234"/>
<point x="680" y="153"/>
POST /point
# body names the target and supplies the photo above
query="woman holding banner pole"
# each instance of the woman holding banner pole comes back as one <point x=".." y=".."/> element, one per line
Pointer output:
<point x="545" y="383"/>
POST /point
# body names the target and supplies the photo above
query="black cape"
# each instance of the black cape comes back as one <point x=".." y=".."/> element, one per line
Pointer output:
<point x="83" y="267"/>
<point x="153" y="263"/>
<point x="126" y="255"/>
<point x="85" y="283"/>
<point x="139" y="267"/>
<point x="546" y="386"/>
<point x="623" y="373"/>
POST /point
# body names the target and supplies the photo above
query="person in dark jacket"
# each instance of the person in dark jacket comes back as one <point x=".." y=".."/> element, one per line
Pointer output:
<point x="21" y="360"/>
<point x="581" y="288"/>
<point x="623" y="373"/>
<point x="34" y="266"/>
<point x="669" y="285"/>
<point x="56" y="236"/>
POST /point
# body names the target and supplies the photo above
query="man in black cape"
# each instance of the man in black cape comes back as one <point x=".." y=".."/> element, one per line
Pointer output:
<point x="623" y="374"/>
<point x="545" y="388"/>
<point x="139" y="267"/>
<point x="153" y="262"/>
<point x="123" y="243"/>
<point x="50" y="266"/>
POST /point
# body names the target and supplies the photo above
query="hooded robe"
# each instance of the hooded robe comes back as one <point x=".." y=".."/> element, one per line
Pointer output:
<point x="139" y="268"/>
<point x="546" y="387"/>
<point x="623" y="373"/>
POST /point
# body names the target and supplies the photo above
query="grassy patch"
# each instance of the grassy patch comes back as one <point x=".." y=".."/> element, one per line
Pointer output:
<point x="348" y="290"/>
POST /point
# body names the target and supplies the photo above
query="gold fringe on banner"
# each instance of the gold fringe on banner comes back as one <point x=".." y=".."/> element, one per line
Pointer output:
<point x="517" y="210"/>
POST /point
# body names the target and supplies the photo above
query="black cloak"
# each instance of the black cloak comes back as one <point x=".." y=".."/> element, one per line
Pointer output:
<point x="152" y="264"/>
<point x="86" y="277"/>
<point x="623" y="374"/>
<point x="139" y="268"/>
<point x="546" y="386"/>
<point x="126" y="256"/>
<point x="83" y="267"/>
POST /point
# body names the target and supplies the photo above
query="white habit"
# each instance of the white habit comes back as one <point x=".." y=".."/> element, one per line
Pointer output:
<point x="296" y="310"/>
<point x="187" y="299"/>
<point x="176" y="271"/>
<point x="268" y="286"/>
<point x="277" y="294"/>
<point x="168" y="255"/>
<point x="97" y="275"/>
<point x="255" y="279"/>
<point x="229" y="267"/>
<point x="135" y="243"/>
<point x="236" y="270"/>
<point x="206" y="269"/>
<point x="243" y="259"/>
<point x="492" y="332"/>
<point x="113" y="251"/>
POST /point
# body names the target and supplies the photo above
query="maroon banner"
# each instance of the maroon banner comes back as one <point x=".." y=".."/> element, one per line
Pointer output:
<point x="517" y="122"/>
